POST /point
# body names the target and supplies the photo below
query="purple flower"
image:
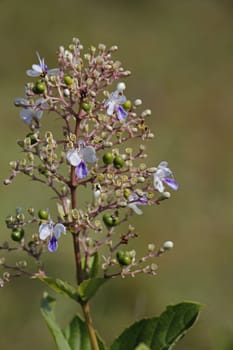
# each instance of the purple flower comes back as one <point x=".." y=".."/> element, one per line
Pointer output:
<point x="79" y="157"/>
<point x="115" y="101"/>
<point x="164" y="175"/>
<point x="135" y="200"/>
<point x="53" y="233"/>
<point x="41" y="69"/>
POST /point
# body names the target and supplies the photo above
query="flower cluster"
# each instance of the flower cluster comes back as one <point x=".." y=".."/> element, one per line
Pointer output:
<point x="94" y="152"/>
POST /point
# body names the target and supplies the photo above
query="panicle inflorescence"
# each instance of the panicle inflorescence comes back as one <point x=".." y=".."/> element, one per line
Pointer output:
<point x="99" y="122"/>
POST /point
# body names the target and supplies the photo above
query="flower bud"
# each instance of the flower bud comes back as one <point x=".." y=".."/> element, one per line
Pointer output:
<point x="66" y="92"/>
<point x="138" y="102"/>
<point x="121" y="86"/>
<point x="168" y="245"/>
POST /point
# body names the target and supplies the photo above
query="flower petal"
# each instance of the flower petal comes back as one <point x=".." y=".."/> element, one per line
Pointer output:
<point x="32" y="73"/>
<point x="89" y="154"/>
<point x="158" y="184"/>
<point x="27" y="115"/>
<point x="111" y="107"/>
<point x="53" y="71"/>
<point x="171" y="183"/>
<point x="21" y="102"/>
<point x="53" y="244"/>
<point x="134" y="207"/>
<point x="73" y="157"/>
<point x="45" y="230"/>
<point x="121" y="113"/>
<point x="58" y="230"/>
<point x="81" y="170"/>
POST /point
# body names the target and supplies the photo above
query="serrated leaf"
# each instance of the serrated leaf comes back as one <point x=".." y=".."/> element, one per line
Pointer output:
<point x="159" y="333"/>
<point x="61" y="287"/>
<point x="88" y="288"/>
<point x="77" y="335"/>
<point x="46" y="308"/>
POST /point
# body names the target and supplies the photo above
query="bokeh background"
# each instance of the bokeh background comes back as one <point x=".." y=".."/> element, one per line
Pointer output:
<point x="181" y="56"/>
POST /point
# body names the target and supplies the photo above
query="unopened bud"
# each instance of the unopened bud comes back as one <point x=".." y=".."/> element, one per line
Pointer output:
<point x="168" y="245"/>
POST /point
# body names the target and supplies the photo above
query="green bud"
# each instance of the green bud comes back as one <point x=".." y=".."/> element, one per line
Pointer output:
<point x="110" y="220"/>
<point x="118" y="162"/>
<point x="124" y="258"/>
<point x="68" y="80"/>
<point x="107" y="158"/>
<point x="17" y="234"/>
<point x="127" y="105"/>
<point x="43" y="214"/>
<point x="9" y="219"/>
<point x="32" y="137"/>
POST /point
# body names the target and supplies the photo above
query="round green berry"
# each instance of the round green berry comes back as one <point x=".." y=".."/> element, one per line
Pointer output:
<point x="68" y="80"/>
<point x="39" y="87"/>
<point x="127" y="105"/>
<point x="86" y="106"/>
<point x="124" y="258"/>
<point x="17" y="234"/>
<point x="107" y="158"/>
<point x="118" y="162"/>
<point x="110" y="220"/>
<point x="43" y="214"/>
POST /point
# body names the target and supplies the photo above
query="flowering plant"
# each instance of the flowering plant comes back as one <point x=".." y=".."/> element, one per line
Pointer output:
<point x="93" y="151"/>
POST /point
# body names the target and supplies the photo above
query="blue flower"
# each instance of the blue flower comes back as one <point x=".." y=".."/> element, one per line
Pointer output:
<point x="79" y="157"/>
<point x="164" y="175"/>
<point x="41" y="69"/>
<point x="115" y="101"/>
<point x="53" y="233"/>
<point x="135" y="200"/>
<point x="30" y="114"/>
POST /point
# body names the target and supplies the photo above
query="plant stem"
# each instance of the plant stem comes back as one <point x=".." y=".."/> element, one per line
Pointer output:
<point x="79" y="272"/>
<point x="89" y="323"/>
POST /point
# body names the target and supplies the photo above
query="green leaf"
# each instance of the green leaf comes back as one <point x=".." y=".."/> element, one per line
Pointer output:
<point x="159" y="333"/>
<point x="94" y="265"/>
<point x="61" y="287"/>
<point x="77" y="335"/>
<point x="47" y="306"/>
<point x="88" y="288"/>
<point x="142" y="346"/>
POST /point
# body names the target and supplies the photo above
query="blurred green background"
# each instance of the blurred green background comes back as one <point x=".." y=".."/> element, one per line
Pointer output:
<point x="181" y="57"/>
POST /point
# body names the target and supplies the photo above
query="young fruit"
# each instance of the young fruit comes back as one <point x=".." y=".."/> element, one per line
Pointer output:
<point x="127" y="105"/>
<point x="107" y="158"/>
<point x="118" y="162"/>
<point x="110" y="220"/>
<point x="43" y="214"/>
<point x="68" y="80"/>
<point x="39" y="87"/>
<point x="124" y="258"/>
<point x="17" y="234"/>
<point x="86" y="107"/>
